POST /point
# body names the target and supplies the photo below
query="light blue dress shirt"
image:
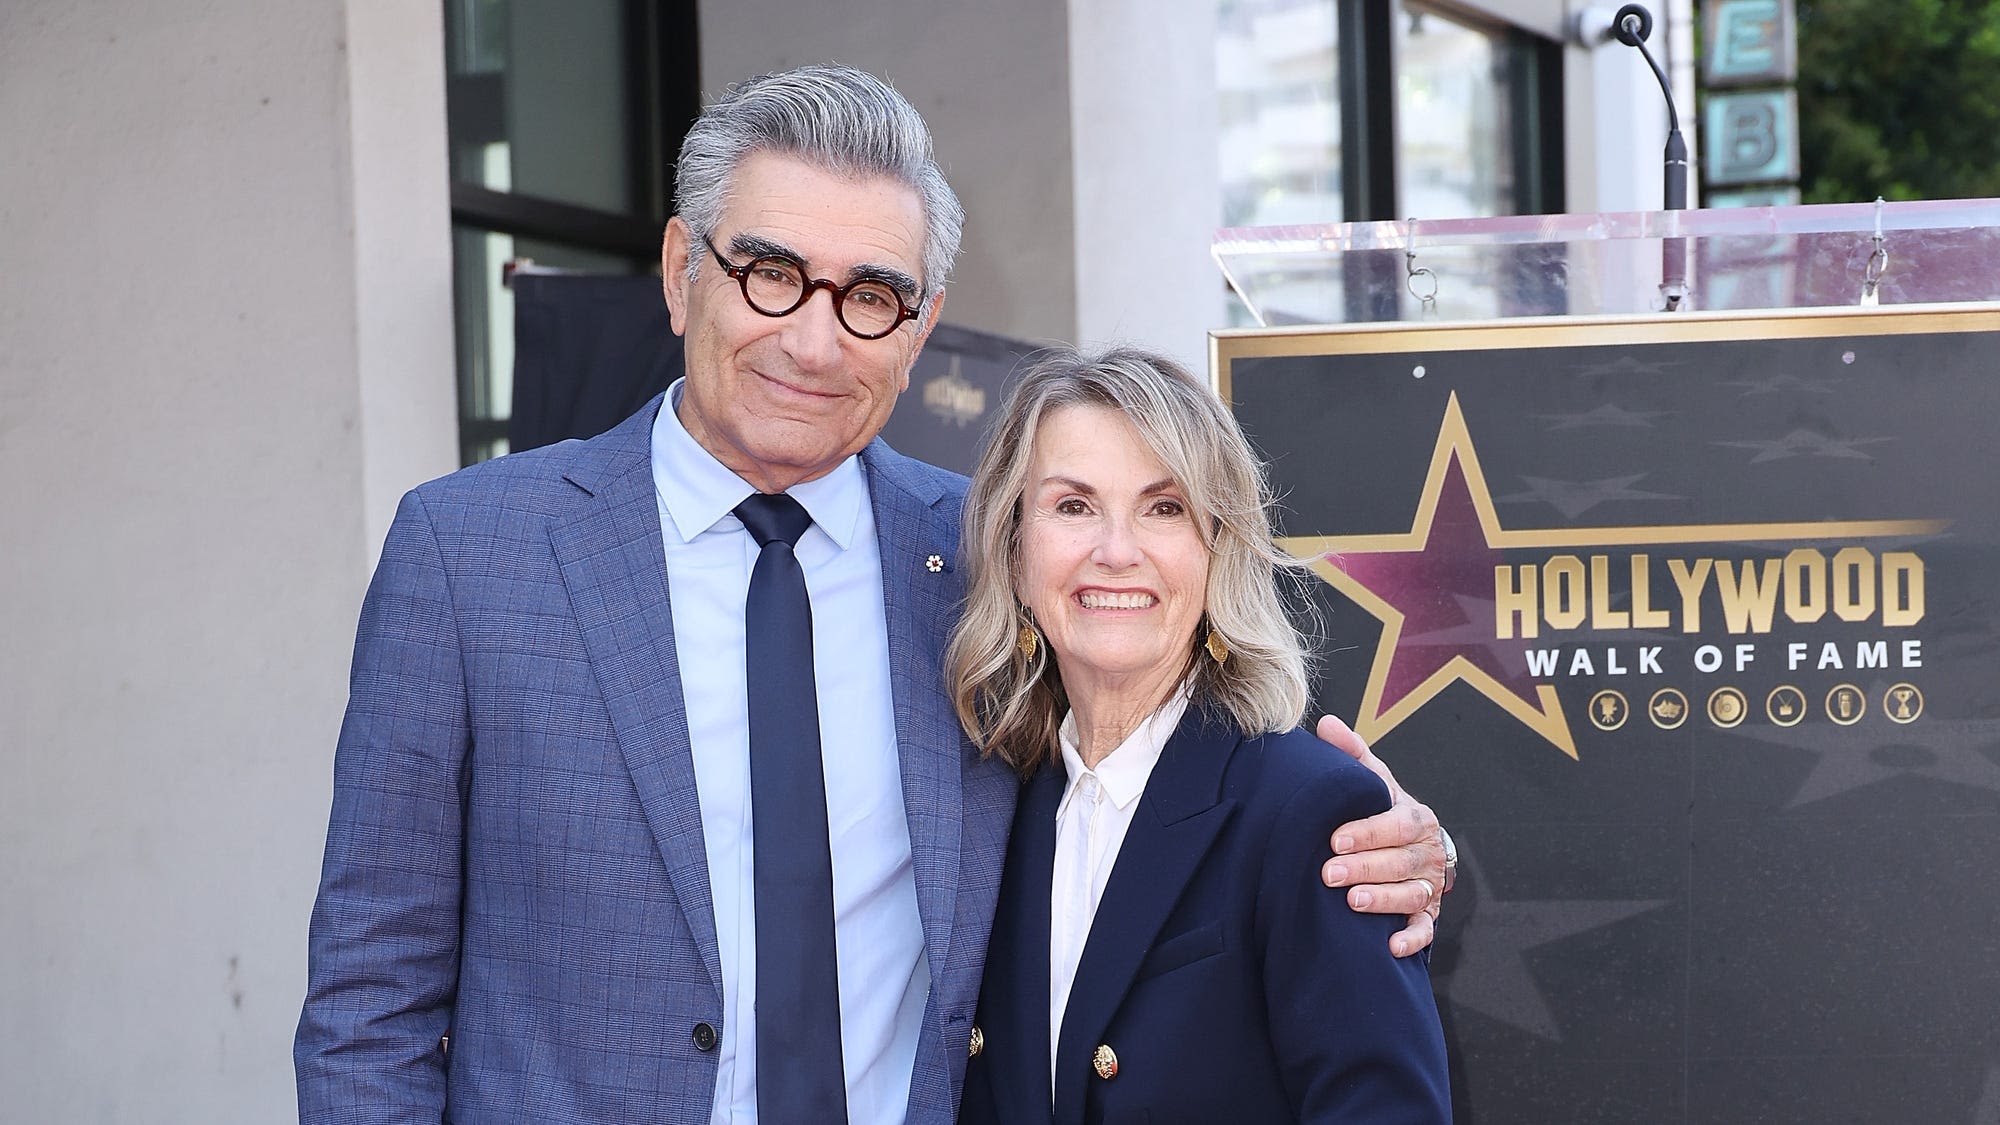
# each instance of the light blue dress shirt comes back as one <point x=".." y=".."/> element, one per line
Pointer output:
<point x="884" y="979"/>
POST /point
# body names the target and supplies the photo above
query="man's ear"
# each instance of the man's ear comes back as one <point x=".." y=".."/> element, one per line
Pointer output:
<point x="675" y="246"/>
<point x="930" y="322"/>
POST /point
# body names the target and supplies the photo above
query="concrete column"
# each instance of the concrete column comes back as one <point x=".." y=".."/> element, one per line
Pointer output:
<point x="993" y="81"/>
<point x="1616" y="124"/>
<point x="224" y="346"/>
<point x="1143" y="112"/>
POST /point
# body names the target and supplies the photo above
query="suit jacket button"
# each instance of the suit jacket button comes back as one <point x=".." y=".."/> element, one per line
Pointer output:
<point x="977" y="1044"/>
<point x="1105" y="1062"/>
<point x="704" y="1037"/>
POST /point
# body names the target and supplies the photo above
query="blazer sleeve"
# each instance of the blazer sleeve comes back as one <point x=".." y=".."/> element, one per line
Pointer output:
<point x="1355" y="1029"/>
<point x="383" y="947"/>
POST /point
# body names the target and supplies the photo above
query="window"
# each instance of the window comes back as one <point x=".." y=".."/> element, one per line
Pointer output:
<point x="1478" y="127"/>
<point x="564" y="122"/>
<point x="1338" y="111"/>
<point x="1277" y="70"/>
<point x="1349" y="110"/>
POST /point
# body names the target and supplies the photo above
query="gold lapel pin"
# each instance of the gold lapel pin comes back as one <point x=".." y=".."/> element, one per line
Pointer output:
<point x="977" y="1044"/>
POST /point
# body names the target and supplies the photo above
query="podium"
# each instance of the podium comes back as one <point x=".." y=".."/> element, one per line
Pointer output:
<point x="1928" y="252"/>
<point x="1687" y="623"/>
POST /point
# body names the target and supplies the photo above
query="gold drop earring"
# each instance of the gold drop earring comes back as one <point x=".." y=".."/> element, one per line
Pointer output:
<point x="1218" y="649"/>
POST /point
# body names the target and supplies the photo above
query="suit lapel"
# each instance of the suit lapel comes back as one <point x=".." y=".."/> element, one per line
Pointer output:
<point x="920" y="593"/>
<point x="1176" y="822"/>
<point x="614" y="567"/>
<point x="1014" y="1008"/>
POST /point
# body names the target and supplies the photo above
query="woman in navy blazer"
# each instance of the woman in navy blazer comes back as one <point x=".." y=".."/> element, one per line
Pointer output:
<point x="1162" y="951"/>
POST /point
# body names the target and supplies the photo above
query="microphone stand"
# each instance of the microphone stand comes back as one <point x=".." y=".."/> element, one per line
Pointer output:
<point x="1632" y="26"/>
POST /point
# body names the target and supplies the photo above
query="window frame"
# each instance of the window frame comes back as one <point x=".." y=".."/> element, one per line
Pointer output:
<point x="662" y="96"/>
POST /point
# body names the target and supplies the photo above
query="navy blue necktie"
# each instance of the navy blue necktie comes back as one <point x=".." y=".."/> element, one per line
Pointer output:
<point x="798" y="983"/>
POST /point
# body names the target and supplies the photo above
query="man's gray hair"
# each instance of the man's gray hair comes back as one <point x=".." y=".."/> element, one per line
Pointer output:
<point x="837" y="118"/>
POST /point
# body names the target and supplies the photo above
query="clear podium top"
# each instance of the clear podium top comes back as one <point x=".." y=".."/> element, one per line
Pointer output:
<point x="1929" y="251"/>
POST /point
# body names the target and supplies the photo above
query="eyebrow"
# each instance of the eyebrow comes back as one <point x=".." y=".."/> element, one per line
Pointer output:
<point x="1164" y="484"/>
<point x="755" y="246"/>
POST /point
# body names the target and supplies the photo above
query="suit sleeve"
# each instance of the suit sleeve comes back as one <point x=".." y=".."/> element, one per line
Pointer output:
<point x="383" y="949"/>
<point x="1355" y="1029"/>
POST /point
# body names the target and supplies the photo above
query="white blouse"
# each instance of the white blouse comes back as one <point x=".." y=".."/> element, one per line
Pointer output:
<point x="1091" y="822"/>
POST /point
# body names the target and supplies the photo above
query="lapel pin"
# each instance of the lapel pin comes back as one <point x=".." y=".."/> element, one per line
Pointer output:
<point x="934" y="564"/>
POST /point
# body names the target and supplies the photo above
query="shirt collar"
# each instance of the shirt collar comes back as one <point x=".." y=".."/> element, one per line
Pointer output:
<point x="1123" y="772"/>
<point x="697" y="491"/>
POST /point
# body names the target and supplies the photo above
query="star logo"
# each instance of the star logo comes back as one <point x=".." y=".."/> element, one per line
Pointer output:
<point x="1802" y="443"/>
<point x="1607" y="415"/>
<point x="1623" y="365"/>
<point x="1782" y="383"/>
<point x="1493" y="974"/>
<point x="1573" y="498"/>
<point x="1845" y="758"/>
<point x="1427" y="585"/>
<point x="1987" y="1112"/>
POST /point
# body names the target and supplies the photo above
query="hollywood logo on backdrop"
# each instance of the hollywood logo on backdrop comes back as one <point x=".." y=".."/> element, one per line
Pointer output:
<point x="1520" y="615"/>
<point x="954" y="398"/>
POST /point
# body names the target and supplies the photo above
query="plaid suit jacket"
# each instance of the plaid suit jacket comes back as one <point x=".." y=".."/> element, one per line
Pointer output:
<point x="514" y="857"/>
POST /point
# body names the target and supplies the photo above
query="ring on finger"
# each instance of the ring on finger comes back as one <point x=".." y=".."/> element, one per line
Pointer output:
<point x="1430" y="891"/>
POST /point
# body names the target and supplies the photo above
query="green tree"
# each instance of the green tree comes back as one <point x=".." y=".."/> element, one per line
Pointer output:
<point x="1899" y="98"/>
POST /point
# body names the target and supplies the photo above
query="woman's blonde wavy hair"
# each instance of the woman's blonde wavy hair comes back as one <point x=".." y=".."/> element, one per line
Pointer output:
<point x="1010" y="704"/>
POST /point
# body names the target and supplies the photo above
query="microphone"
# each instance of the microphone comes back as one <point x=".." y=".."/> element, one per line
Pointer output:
<point x="1632" y="26"/>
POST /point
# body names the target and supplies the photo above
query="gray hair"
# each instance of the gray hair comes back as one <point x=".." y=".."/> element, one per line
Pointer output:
<point x="1011" y="705"/>
<point x="837" y="118"/>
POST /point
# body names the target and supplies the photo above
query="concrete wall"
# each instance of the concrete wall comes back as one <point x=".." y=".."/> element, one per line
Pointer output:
<point x="993" y="80"/>
<point x="1081" y="137"/>
<point x="1143" y="112"/>
<point x="224" y="348"/>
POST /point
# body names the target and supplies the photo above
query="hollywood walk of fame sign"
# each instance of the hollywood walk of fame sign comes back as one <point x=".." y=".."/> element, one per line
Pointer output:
<point x="1690" y="627"/>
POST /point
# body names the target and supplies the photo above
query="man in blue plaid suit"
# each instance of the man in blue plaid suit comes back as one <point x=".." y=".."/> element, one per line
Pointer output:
<point x="535" y="902"/>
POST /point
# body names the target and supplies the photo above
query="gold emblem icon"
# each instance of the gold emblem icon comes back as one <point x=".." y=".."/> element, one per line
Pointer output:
<point x="1105" y="1062"/>
<point x="977" y="1043"/>
<point x="1785" y="706"/>
<point x="1845" y="704"/>
<point x="1668" y="708"/>
<point x="1726" y="707"/>
<point x="1903" y="703"/>
<point x="1608" y="709"/>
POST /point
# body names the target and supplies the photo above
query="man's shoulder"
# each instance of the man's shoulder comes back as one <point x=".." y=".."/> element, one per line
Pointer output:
<point x="921" y="479"/>
<point x="547" y="478"/>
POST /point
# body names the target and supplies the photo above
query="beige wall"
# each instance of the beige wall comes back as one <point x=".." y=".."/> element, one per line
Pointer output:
<point x="1081" y="137"/>
<point x="993" y="81"/>
<point x="224" y="346"/>
<point x="1143" y="112"/>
